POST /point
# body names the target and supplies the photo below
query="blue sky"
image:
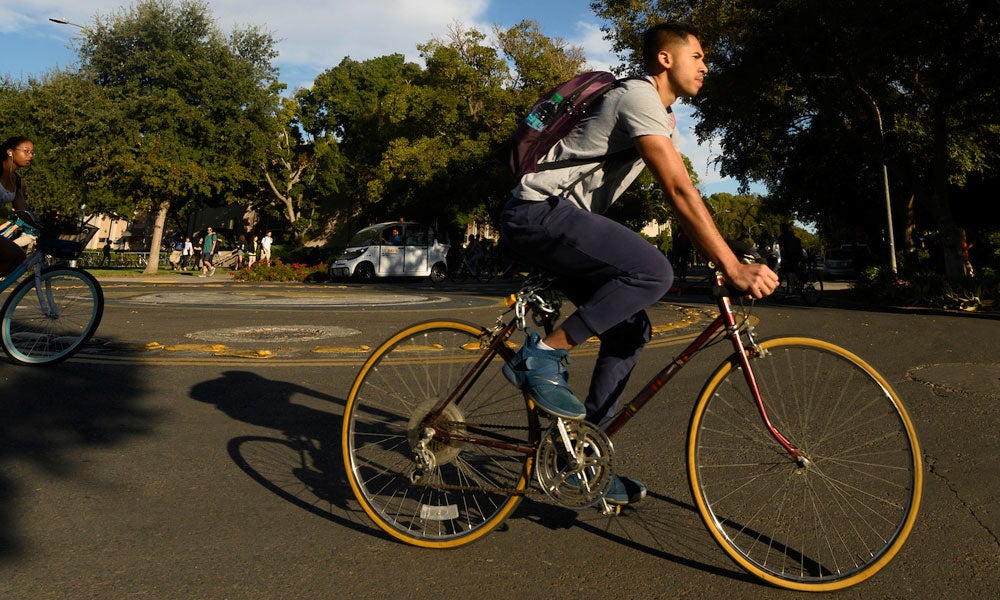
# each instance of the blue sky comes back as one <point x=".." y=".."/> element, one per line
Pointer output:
<point x="314" y="35"/>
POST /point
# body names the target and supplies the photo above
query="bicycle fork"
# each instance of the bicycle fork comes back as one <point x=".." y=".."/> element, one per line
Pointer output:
<point x="743" y="355"/>
<point x="45" y="300"/>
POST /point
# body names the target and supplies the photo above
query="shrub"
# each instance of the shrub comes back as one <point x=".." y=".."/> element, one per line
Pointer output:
<point x="279" y="271"/>
<point x="930" y="289"/>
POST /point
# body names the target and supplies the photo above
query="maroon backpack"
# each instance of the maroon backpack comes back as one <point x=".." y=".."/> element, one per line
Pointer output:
<point x="576" y="97"/>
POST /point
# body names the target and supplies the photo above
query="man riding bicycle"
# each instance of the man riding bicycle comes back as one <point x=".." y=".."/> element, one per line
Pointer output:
<point x="609" y="272"/>
<point x="792" y="255"/>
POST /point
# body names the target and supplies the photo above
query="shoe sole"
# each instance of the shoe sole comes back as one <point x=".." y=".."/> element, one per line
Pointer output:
<point x="519" y="380"/>
<point x="631" y="499"/>
<point x="555" y="413"/>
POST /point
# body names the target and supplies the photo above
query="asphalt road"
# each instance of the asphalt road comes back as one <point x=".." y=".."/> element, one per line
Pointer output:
<point x="193" y="452"/>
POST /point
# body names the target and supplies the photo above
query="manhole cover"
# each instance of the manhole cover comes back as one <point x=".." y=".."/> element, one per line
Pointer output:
<point x="273" y="333"/>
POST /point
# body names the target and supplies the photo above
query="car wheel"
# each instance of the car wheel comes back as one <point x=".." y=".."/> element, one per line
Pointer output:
<point x="364" y="272"/>
<point x="439" y="272"/>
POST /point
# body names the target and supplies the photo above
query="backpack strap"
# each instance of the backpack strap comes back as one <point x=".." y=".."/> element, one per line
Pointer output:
<point x="576" y="162"/>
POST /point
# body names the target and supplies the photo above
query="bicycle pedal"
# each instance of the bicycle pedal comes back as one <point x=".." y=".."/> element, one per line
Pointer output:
<point x="611" y="510"/>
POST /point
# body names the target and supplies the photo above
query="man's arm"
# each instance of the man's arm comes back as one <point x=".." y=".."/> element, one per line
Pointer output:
<point x="666" y="165"/>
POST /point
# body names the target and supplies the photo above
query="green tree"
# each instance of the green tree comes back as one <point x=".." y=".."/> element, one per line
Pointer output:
<point x="538" y="61"/>
<point x="418" y="142"/>
<point x="62" y="112"/>
<point x="301" y="173"/>
<point x="344" y="107"/>
<point x="193" y="108"/>
<point x="803" y="116"/>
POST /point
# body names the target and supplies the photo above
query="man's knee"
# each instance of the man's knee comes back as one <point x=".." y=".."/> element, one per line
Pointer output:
<point x="659" y="280"/>
<point x="628" y="336"/>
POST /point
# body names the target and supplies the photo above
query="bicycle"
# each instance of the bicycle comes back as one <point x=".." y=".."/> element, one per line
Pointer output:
<point x="801" y="459"/>
<point x="465" y="269"/>
<point x="53" y="323"/>
<point x="808" y="284"/>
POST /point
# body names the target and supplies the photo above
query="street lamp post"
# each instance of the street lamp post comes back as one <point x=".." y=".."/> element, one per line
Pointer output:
<point x="885" y="170"/>
<point x="885" y="181"/>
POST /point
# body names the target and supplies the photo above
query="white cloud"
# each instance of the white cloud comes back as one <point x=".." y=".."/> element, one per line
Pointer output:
<point x="320" y="33"/>
<point x="311" y="35"/>
<point x="315" y="33"/>
<point x="597" y="49"/>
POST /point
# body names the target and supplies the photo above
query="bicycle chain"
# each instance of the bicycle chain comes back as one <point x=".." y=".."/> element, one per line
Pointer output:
<point x="471" y="488"/>
<point x="446" y="424"/>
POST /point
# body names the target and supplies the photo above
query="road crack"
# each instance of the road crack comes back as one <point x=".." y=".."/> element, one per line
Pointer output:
<point x="931" y="463"/>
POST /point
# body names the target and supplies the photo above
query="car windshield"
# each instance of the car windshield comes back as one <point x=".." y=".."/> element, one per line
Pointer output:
<point x="365" y="237"/>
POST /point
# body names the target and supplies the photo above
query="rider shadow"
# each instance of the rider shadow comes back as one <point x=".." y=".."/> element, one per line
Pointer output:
<point x="303" y="466"/>
<point x="661" y="526"/>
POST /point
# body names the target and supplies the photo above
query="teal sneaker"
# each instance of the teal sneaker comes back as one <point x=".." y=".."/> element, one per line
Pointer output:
<point x="624" y="491"/>
<point x="541" y="373"/>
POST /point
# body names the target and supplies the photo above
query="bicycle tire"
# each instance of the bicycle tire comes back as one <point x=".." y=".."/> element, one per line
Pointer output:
<point x="821" y="527"/>
<point x="485" y="273"/>
<point x="31" y="335"/>
<point x="812" y="288"/>
<point x="473" y="488"/>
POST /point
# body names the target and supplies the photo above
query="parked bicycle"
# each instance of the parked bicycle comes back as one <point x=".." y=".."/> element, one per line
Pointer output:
<point x="801" y="459"/>
<point x="56" y="309"/>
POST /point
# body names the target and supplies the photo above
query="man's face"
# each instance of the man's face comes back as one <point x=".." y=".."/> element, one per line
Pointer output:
<point x="687" y="67"/>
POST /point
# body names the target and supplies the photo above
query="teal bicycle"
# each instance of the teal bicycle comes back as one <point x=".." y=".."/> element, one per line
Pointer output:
<point x="53" y="311"/>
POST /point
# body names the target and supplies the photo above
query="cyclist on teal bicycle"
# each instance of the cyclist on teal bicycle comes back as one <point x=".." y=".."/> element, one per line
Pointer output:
<point x="17" y="153"/>
<point x="608" y="271"/>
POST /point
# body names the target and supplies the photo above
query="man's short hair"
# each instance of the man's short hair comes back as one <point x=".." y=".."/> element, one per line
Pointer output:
<point x="662" y="36"/>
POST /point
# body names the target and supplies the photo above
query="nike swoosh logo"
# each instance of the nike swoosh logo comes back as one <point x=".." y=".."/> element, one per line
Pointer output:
<point x="554" y="382"/>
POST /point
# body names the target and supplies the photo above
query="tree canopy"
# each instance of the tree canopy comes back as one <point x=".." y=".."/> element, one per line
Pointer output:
<point x="811" y="98"/>
<point x="166" y="113"/>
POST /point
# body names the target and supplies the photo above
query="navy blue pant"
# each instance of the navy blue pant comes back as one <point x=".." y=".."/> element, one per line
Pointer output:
<point x="608" y="271"/>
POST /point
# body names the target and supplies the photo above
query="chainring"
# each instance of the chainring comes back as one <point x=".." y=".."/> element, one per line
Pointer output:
<point x="573" y="463"/>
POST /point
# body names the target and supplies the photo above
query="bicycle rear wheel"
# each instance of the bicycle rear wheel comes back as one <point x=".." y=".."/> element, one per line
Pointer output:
<point x="820" y="526"/>
<point x="465" y="488"/>
<point x="812" y="288"/>
<point x="44" y="332"/>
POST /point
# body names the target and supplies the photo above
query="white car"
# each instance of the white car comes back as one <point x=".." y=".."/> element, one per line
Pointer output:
<point x="393" y="249"/>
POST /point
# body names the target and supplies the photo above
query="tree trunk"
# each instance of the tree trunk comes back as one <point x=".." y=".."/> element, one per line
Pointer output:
<point x="937" y="201"/>
<point x="910" y="249"/>
<point x="153" y="264"/>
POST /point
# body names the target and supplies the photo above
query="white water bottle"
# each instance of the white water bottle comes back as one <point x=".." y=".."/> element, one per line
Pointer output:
<point x="539" y="118"/>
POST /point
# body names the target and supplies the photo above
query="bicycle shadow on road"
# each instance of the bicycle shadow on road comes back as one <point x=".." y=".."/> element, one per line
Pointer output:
<point x="660" y="526"/>
<point x="304" y="465"/>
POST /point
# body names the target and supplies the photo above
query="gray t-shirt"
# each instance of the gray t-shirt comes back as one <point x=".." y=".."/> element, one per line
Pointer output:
<point x="628" y="111"/>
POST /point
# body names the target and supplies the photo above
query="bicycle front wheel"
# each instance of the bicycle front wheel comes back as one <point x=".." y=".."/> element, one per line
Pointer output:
<point x="824" y="523"/>
<point x="437" y="491"/>
<point x="49" y="323"/>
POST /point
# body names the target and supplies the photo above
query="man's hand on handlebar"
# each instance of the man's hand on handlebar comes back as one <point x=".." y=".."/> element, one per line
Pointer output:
<point x="756" y="279"/>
